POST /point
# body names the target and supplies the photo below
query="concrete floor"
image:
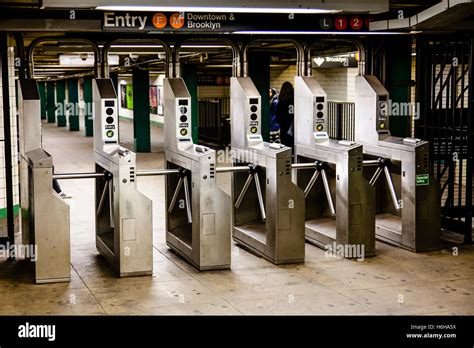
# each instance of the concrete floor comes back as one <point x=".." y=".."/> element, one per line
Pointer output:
<point x="393" y="282"/>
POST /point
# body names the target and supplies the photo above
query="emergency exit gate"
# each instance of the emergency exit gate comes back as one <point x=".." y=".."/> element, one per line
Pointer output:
<point x="444" y="90"/>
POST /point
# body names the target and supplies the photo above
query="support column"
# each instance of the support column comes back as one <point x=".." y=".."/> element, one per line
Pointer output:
<point x="42" y="93"/>
<point x="189" y="74"/>
<point x="89" y="126"/>
<point x="398" y="65"/>
<point x="73" y="102"/>
<point x="61" y="100"/>
<point x="50" y="103"/>
<point x="259" y="71"/>
<point x="141" y="110"/>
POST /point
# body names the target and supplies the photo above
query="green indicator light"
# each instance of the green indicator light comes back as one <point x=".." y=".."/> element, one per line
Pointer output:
<point x="109" y="134"/>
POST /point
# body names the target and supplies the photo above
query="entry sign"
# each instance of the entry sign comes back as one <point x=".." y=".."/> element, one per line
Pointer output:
<point x="422" y="179"/>
<point x="230" y="22"/>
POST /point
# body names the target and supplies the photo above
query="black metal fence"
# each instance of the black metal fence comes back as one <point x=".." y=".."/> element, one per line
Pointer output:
<point x="444" y="90"/>
<point x="214" y="121"/>
<point x="341" y="120"/>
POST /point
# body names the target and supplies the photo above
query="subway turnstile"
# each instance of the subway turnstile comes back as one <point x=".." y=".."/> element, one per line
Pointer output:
<point x="339" y="202"/>
<point x="267" y="208"/>
<point x="123" y="214"/>
<point x="197" y="210"/>
<point x="407" y="197"/>
<point x="45" y="216"/>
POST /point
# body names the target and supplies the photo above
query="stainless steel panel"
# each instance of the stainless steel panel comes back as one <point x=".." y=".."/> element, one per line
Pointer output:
<point x="124" y="215"/>
<point x="416" y="225"/>
<point x="333" y="207"/>
<point x="270" y="223"/>
<point x="49" y="232"/>
<point x="198" y="227"/>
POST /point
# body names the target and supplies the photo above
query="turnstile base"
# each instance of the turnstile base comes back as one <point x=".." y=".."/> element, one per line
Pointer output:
<point x="53" y="280"/>
<point x="322" y="233"/>
<point x="388" y="229"/>
<point x="181" y="243"/>
<point x="252" y="237"/>
<point x="109" y="256"/>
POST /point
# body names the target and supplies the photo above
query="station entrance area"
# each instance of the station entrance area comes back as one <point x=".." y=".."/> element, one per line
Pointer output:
<point x="430" y="283"/>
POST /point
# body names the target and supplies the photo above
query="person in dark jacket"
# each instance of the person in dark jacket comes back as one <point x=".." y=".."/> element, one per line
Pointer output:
<point x="274" y="126"/>
<point x="285" y="114"/>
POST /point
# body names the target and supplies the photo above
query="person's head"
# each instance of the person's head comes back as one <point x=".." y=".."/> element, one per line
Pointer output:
<point x="286" y="91"/>
<point x="273" y="92"/>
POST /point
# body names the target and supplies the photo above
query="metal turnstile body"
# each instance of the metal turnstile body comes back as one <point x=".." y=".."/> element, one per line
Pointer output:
<point x="123" y="214"/>
<point x="198" y="211"/>
<point x="350" y="221"/>
<point x="45" y="216"/>
<point x="267" y="208"/>
<point x="408" y="201"/>
<point x="48" y="222"/>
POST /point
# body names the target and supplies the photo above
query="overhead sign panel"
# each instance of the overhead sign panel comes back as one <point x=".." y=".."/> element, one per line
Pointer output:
<point x="231" y="22"/>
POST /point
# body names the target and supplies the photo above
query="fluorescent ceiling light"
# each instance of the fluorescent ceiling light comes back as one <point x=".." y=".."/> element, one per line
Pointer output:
<point x="214" y="9"/>
<point x="319" y="32"/>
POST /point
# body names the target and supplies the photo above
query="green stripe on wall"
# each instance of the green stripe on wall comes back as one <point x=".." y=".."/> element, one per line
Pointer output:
<point x="3" y="211"/>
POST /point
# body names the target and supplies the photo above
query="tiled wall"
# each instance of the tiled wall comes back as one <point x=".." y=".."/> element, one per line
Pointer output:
<point x="337" y="82"/>
<point x="13" y="118"/>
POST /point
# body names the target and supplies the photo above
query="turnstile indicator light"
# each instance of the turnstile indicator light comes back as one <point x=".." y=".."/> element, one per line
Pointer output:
<point x="253" y="130"/>
<point x="320" y="106"/>
<point x="253" y="108"/>
<point x="183" y="118"/>
<point x="253" y="117"/>
<point x="319" y="127"/>
<point x="109" y="111"/>
<point x="320" y="115"/>
<point x="109" y="120"/>
<point x="109" y="134"/>
<point x="183" y="132"/>
<point x="183" y="109"/>
<point x="382" y="125"/>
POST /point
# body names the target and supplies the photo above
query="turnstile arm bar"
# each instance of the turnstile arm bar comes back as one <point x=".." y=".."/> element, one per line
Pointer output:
<point x="175" y="195"/>
<point x="102" y="199"/>
<point x="303" y="166"/>
<point x="260" y="197"/>
<point x="239" y="200"/>
<point x="311" y="183"/>
<point x="371" y="163"/>
<point x="111" y="203"/>
<point x="64" y="176"/>
<point x="375" y="177"/>
<point x="393" y="193"/>
<point x="232" y="169"/>
<point x="156" y="172"/>
<point x="188" y="200"/>
<point x="328" y="192"/>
